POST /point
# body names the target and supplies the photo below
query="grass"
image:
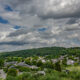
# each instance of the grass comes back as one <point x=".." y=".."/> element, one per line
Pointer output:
<point x="51" y="75"/>
<point x="73" y="68"/>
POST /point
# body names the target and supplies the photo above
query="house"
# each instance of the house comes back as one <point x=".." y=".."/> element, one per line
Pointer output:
<point x="54" y="60"/>
<point x="61" y="57"/>
<point x="23" y="64"/>
<point x="43" y="61"/>
<point x="10" y="63"/>
<point x="33" y="67"/>
<point x="41" y="73"/>
<point x="70" y="62"/>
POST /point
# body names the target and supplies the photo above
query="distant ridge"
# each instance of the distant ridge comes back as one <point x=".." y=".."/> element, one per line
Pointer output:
<point x="52" y="51"/>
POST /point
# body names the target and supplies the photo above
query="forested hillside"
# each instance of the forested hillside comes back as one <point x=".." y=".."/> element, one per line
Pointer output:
<point x="52" y="52"/>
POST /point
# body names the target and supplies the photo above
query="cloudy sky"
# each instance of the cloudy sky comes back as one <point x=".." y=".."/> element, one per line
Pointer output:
<point x="28" y="24"/>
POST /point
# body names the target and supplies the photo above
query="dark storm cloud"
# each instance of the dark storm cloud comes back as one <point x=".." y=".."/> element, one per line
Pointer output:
<point x="73" y="29"/>
<point x="18" y="2"/>
<point x="18" y="32"/>
<point x="72" y="21"/>
<point x="15" y="43"/>
<point x="57" y="16"/>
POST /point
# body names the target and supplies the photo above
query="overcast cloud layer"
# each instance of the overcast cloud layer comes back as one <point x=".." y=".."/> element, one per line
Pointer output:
<point x="28" y="24"/>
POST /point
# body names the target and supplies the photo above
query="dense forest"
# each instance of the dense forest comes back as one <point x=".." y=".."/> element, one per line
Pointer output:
<point x="52" y="52"/>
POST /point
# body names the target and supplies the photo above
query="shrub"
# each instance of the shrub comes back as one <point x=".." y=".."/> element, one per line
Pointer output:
<point x="49" y="64"/>
<point x="58" y="66"/>
<point x="1" y="63"/>
<point x="12" y="72"/>
<point x="28" y="61"/>
<point x="23" y="69"/>
<point x="39" y="63"/>
<point x="64" y="62"/>
<point x="5" y="70"/>
<point x="25" y="76"/>
<point x="11" y="78"/>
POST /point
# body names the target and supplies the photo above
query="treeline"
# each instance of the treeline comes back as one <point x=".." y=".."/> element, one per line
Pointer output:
<point x="50" y="52"/>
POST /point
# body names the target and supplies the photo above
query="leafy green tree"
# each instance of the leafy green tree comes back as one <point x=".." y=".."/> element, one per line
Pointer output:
<point x="34" y="62"/>
<point x="25" y="76"/>
<point x="64" y="62"/>
<point x="12" y="72"/>
<point x="58" y="66"/>
<point x="49" y="64"/>
<point x="1" y="63"/>
<point x="28" y="61"/>
<point x="23" y="69"/>
<point x="11" y="78"/>
<point x="5" y="69"/>
<point x="39" y="63"/>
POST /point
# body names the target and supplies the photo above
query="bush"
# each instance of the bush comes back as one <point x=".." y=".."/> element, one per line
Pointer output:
<point x="28" y="61"/>
<point x="23" y="69"/>
<point x="11" y="78"/>
<point x="58" y="66"/>
<point x="25" y="76"/>
<point x="64" y="62"/>
<point x="1" y="63"/>
<point x="39" y="63"/>
<point x="49" y="64"/>
<point x="5" y="70"/>
<point x="12" y="72"/>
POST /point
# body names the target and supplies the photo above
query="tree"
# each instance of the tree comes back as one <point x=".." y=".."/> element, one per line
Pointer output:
<point x="12" y="72"/>
<point x="28" y="61"/>
<point x="49" y="64"/>
<point x="64" y="62"/>
<point x="11" y="78"/>
<point x="1" y="63"/>
<point x="34" y="62"/>
<point x="58" y="66"/>
<point x="39" y="63"/>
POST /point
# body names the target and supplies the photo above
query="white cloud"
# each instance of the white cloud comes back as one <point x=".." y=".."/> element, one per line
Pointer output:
<point x="60" y="18"/>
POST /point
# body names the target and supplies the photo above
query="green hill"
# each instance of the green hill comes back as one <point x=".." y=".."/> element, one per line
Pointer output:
<point x="51" y="51"/>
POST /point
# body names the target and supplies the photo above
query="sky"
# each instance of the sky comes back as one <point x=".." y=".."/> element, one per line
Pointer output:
<point x="27" y="24"/>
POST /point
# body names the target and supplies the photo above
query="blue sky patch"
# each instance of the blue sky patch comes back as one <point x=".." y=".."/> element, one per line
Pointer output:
<point x="42" y="29"/>
<point x="17" y="27"/>
<point x="8" y="8"/>
<point x="3" y="21"/>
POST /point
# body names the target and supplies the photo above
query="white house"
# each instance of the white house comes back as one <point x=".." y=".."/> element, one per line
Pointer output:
<point x="70" y="62"/>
